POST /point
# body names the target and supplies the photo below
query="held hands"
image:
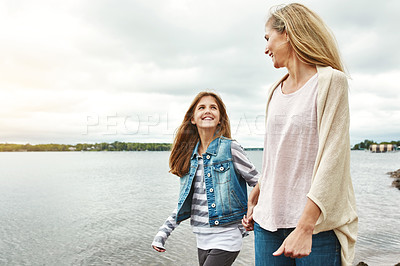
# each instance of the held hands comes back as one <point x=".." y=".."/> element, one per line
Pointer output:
<point x="158" y="249"/>
<point x="247" y="220"/>
<point x="296" y="245"/>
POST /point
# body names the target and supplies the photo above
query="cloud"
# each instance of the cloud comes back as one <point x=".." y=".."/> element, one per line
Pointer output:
<point x="374" y="102"/>
<point x="365" y="34"/>
<point x="142" y="62"/>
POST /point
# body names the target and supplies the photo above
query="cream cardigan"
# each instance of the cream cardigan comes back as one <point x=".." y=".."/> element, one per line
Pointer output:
<point x="331" y="186"/>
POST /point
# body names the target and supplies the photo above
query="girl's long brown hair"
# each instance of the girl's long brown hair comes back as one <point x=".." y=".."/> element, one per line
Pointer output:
<point x="187" y="135"/>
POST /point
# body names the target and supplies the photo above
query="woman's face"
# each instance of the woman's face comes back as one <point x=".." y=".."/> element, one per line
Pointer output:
<point x="206" y="114"/>
<point x="278" y="47"/>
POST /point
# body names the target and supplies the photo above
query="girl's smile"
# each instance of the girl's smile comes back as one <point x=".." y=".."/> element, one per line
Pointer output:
<point x="206" y="114"/>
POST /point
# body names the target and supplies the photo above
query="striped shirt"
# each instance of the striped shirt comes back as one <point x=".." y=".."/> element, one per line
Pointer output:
<point x="199" y="218"/>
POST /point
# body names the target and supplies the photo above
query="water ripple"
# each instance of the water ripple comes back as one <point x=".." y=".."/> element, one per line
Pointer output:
<point x="105" y="208"/>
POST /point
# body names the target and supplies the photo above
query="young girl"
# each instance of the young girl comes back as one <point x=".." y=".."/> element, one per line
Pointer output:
<point x="213" y="171"/>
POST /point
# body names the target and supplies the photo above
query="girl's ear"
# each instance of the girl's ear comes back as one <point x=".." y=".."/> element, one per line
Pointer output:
<point x="192" y="121"/>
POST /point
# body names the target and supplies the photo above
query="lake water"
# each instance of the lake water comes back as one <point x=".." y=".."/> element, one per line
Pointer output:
<point x="104" y="208"/>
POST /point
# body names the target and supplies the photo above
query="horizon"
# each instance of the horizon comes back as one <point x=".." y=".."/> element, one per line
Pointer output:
<point x="169" y="143"/>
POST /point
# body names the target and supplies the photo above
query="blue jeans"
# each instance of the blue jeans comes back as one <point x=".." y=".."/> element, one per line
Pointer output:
<point x="325" y="248"/>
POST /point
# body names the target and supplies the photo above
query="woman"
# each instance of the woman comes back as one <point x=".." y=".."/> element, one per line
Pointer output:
<point x="213" y="171"/>
<point x="304" y="204"/>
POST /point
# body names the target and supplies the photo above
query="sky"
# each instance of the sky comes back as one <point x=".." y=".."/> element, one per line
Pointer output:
<point x="87" y="71"/>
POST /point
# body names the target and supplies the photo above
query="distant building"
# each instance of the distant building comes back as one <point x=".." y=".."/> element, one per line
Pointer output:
<point x="382" y="148"/>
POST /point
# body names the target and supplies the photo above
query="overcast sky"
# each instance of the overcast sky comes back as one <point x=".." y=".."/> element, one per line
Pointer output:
<point x="86" y="71"/>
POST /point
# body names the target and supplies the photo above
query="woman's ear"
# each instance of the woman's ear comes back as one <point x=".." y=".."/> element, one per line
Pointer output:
<point x="192" y="121"/>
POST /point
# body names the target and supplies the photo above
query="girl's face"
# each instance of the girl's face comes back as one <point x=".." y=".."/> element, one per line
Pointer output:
<point x="206" y="114"/>
<point x="278" y="47"/>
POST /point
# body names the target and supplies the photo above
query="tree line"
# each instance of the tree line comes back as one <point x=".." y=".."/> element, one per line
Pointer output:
<point x="114" y="146"/>
<point x="131" y="146"/>
<point x="364" y="145"/>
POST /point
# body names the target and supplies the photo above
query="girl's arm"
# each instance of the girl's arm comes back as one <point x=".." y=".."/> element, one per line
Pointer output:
<point x="164" y="231"/>
<point x="248" y="171"/>
<point x="247" y="220"/>
<point x="243" y="165"/>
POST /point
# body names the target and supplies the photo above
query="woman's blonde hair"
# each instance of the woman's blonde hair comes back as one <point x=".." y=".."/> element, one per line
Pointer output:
<point x="309" y="36"/>
<point x="187" y="135"/>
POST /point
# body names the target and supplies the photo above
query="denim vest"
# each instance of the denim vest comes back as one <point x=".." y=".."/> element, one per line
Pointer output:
<point x="226" y="190"/>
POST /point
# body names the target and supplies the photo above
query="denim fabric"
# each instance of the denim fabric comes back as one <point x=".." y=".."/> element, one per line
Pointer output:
<point x="226" y="190"/>
<point x="325" y="250"/>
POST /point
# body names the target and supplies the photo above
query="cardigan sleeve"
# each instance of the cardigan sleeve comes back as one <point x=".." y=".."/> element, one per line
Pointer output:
<point x="331" y="176"/>
<point x="331" y="187"/>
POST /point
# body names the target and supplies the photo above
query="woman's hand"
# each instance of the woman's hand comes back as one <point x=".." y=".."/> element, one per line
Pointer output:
<point x="159" y="249"/>
<point x="296" y="245"/>
<point x="299" y="241"/>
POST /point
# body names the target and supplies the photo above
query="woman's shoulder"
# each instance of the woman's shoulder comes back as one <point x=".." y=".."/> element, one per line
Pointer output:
<point x="339" y="81"/>
<point x="339" y="75"/>
<point x="332" y="83"/>
<point x="336" y="75"/>
<point x="329" y="77"/>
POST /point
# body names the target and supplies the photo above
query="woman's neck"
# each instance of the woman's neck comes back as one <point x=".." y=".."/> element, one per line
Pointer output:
<point x="299" y="74"/>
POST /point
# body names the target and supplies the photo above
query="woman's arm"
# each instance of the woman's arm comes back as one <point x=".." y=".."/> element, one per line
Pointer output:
<point x="298" y="243"/>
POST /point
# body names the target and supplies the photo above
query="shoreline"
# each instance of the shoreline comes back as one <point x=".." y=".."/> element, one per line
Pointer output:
<point x="396" y="176"/>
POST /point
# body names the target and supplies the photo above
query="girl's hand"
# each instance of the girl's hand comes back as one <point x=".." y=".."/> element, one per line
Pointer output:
<point x="248" y="223"/>
<point x="158" y="249"/>
<point x="247" y="220"/>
